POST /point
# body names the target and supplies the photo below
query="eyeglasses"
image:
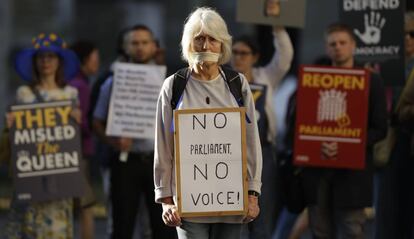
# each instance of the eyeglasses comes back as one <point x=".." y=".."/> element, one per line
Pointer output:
<point x="241" y="53"/>
<point x="46" y="55"/>
<point x="410" y="34"/>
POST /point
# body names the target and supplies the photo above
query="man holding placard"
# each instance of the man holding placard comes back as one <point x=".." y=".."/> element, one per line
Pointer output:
<point x="336" y="198"/>
<point x="124" y="119"/>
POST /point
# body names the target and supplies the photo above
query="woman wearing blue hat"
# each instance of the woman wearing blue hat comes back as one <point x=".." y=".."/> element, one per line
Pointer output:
<point x="45" y="67"/>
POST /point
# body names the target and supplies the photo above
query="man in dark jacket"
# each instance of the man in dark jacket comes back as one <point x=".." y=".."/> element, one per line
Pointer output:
<point x="336" y="198"/>
<point x="132" y="176"/>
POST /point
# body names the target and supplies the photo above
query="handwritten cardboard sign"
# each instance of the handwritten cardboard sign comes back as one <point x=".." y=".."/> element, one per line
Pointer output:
<point x="210" y="156"/>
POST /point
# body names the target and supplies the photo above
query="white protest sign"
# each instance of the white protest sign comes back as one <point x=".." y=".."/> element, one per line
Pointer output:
<point x="134" y="98"/>
<point x="210" y="156"/>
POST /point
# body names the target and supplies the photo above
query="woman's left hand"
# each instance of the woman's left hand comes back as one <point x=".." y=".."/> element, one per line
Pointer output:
<point x="253" y="209"/>
<point x="76" y="114"/>
<point x="170" y="214"/>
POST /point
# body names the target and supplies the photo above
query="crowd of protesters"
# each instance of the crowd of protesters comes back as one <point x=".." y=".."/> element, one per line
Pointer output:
<point x="139" y="174"/>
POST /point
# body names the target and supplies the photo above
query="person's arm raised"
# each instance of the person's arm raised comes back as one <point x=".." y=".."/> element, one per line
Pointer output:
<point x="282" y="58"/>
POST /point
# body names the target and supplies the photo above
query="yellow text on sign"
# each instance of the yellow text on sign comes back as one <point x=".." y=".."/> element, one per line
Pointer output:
<point x="328" y="81"/>
<point x="42" y="117"/>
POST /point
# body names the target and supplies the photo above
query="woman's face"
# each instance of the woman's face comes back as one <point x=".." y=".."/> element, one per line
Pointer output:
<point x="91" y="65"/>
<point x="206" y="43"/>
<point x="243" y="58"/>
<point x="47" y="63"/>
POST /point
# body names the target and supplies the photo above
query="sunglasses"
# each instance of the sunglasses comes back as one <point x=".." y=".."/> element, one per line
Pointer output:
<point x="410" y="33"/>
<point x="241" y="53"/>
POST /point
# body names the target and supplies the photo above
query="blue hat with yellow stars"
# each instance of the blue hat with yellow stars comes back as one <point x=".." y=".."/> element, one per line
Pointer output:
<point x="23" y="62"/>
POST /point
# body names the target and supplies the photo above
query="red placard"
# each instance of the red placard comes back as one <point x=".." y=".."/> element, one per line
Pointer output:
<point x="332" y="106"/>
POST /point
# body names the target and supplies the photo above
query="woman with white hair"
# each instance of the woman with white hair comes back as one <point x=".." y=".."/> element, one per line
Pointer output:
<point x="206" y="45"/>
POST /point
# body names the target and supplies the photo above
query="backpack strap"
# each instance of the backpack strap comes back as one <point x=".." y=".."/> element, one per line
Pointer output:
<point x="233" y="80"/>
<point x="179" y="83"/>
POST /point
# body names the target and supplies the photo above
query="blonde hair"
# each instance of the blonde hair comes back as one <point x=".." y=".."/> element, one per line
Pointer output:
<point x="206" y="20"/>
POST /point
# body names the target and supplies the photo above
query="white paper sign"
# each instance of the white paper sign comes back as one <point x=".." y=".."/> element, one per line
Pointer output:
<point x="133" y="102"/>
<point x="210" y="161"/>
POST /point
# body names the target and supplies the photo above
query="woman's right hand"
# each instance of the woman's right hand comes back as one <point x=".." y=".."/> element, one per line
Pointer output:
<point x="170" y="214"/>
<point x="9" y="119"/>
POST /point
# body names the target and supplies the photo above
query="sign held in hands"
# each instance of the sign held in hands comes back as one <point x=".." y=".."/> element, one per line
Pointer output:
<point x="133" y="102"/>
<point x="210" y="156"/>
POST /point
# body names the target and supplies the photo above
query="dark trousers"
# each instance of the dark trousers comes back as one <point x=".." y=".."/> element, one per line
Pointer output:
<point x="129" y="180"/>
<point x="405" y="185"/>
<point x="394" y="212"/>
<point x="262" y="227"/>
<point x="329" y="222"/>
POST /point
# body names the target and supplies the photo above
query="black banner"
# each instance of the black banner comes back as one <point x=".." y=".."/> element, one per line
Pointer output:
<point x="259" y="96"/>
<point x="379" y="29"/>
<point x="46" y="152"/>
